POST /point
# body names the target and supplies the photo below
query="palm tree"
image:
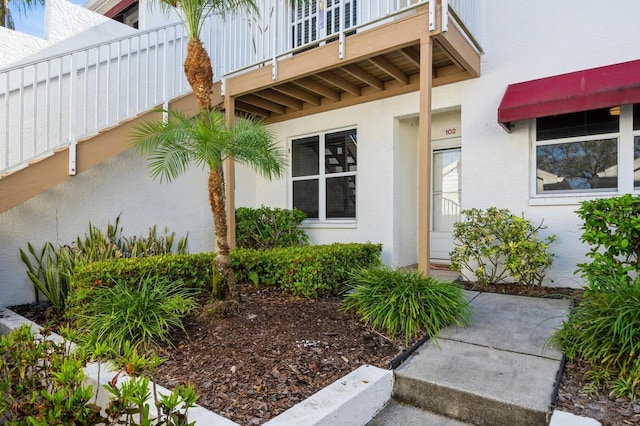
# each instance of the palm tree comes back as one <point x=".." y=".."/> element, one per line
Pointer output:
<point x="20" y="6"/>
<point x="205" y="141"/>
<point x="199" y="74"/>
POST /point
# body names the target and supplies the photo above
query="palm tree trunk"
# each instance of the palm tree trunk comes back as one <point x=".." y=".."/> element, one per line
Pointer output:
<point x="197" y="69"/>
<point x="223" y="259"/>
<point x="4" y="7"/>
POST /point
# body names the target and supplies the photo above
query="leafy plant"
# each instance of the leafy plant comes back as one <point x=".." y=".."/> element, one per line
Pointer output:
<point x="50" y="272"/>
<point x="308" y="271"/>
<point x="143" y="314"/>
<point x="267" y="228"/>
<point x="495" y="246"/>
<point x="405" y="302"/>
<point x="98" y="245"/>
<point x="612" y="229"/>
<point x="52" y="268"/>
<point x="603" y="330"/>
<point x="42" y="383"/>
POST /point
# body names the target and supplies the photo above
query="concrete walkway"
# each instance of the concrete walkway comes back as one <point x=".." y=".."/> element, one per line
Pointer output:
<point x="496" y="372"/>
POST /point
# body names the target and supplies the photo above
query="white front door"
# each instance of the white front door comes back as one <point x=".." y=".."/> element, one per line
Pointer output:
<point x="447" y="168"/>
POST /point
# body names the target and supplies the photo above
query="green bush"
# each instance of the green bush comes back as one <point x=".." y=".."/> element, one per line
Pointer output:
<point x="267" y="228"/>
<point x="52" y="268"/>
<point x="308" y="271"/>
<point x="143" y="314"/>
<point x="496" y="246"/>
<point x="193" y="270"/>
<point x="603" y="330"/>
<point x="612" y="230"/>
<point x="405" y="302"/>
<point x="41" y="383"/>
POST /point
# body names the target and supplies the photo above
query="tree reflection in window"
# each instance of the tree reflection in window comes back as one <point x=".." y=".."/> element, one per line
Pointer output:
<point x="583" y="165"/>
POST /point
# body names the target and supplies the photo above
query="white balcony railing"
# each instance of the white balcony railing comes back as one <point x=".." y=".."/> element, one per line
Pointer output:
<point x="49" y="104"/>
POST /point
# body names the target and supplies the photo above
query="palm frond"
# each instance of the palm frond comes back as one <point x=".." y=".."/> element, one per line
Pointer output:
<point x="194" y="12"/>
<point x="253" y="144"/>
<point x="168" y="145"/>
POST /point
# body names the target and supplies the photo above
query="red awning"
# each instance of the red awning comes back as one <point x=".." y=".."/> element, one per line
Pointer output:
<point x="602" y="87"/>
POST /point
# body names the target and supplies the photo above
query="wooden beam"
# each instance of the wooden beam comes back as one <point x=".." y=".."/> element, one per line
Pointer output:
<point x="364" y="76"/>
<point x="264" y="104"/>
<point x="272" y="95"/>
<point x="390" y="69"/>
<point x="230" y="177"/>
<point x="412" y="55"/>
<point x="392" y="88"/>
<point x="295" y="92"/>
<point x="251" y="109"/>
<point x="451" y="78"/>
<point x="424" y="155"/>
<point x="318" y="88"/>
<point x="340" y="82"/>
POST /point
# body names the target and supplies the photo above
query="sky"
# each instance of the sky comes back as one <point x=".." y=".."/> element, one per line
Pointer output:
<point x="32" y="21"/>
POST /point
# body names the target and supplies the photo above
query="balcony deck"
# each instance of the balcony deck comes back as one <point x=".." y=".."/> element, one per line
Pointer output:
<point x="378" y="63"/>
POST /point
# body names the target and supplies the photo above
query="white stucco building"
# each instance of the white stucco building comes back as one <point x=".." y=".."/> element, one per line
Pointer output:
<point x="396" y="116"/>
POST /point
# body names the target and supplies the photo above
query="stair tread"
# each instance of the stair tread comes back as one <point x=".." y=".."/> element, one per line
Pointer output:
<point x="400" y="414"/>
<point x="498" y="369"/>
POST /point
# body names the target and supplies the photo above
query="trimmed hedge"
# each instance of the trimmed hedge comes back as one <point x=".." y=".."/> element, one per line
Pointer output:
<point x="194" y="270"/>
<point x="308" y="271"/>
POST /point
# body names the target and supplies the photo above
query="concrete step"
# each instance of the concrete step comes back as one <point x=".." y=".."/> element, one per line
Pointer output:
<point x="396" y="414"/>
<point x="496" y="372"/>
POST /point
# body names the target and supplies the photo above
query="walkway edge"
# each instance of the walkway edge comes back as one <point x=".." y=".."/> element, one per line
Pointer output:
<point x="353" y="400"/>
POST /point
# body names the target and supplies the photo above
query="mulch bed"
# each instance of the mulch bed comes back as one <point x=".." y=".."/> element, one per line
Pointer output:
<point x="275" y="351"/>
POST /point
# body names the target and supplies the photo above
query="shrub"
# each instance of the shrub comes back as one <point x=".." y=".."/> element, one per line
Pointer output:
<point x="309" y="271"/>
<point x="52" y="268"/>
<point x="143" y="314"/>
<point x="41" y="383"/>
<point x="267" y="228"/>
<point x="194" y="270"/>
<point x="405" y="302"/>
<point x="496" y="245"/>
<point x="612" y="230"/>
<point x="603" y="330"/>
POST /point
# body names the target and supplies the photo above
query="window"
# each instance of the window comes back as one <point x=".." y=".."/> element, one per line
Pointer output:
<point x="578" y="152"/>
<point x="317" y="19"/>
<point x="323" y="170"/>
<point x="636" y="146"/>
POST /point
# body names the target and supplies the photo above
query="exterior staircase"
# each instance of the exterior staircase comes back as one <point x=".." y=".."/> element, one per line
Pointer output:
<point x="62" y="115"/>
<point x="496" y="372"/>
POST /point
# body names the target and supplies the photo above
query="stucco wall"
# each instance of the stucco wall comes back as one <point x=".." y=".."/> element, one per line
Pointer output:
<point x="119" y="186"/>
<point x="375" y="208"/>
<point x="521" y="41"/>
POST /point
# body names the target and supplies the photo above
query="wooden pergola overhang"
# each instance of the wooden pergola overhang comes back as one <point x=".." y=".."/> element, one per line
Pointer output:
<point x="395" y="58"/>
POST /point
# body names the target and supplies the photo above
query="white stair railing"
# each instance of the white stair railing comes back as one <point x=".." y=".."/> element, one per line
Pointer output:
<point x="52" y="103"/>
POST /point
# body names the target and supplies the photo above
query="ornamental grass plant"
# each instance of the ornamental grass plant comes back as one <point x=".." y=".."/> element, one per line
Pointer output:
<point x="604" y="331"/>
<point x="402" y="302"/>
<point x="143" y="314"/>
